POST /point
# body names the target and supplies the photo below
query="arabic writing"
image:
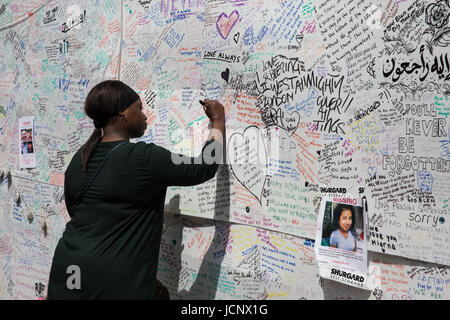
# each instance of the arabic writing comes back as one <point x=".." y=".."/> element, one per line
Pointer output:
<point x="440" y="66"/>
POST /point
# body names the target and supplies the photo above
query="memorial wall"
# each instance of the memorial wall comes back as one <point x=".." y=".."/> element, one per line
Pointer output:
<point x="322" y="99"/>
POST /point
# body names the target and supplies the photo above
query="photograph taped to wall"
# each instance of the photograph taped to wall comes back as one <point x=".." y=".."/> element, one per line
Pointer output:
<point x="338" y="216"/>
<point x="341" y="244"/>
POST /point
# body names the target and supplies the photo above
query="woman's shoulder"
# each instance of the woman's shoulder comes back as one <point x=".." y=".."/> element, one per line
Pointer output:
<point x="149" y="147"/>
<point x="74" y="161"/>
<point x="147" y="150"/>
<point x="335" y="234"/>
<point x="142" y="146"/>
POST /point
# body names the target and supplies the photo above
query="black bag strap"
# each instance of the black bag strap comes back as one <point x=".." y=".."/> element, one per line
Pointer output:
<point x="78" y="200"/>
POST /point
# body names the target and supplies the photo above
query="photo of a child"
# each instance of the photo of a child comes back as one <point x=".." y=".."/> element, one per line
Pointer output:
<point x="342" y="226"/>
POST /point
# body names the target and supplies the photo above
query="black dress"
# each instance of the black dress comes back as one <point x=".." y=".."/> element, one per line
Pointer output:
<point x="114" y="234"/>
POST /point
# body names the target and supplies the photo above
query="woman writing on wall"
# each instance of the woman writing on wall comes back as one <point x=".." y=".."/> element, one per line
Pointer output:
<point x="110" y="247"/>
<point x="342" y="237"/>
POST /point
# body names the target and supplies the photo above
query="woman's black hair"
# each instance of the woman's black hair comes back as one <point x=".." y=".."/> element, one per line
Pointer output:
<point x="337" y="215"/>
<point x="102" y="104"/>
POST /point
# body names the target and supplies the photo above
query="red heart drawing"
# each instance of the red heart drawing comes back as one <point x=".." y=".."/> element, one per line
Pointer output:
<point x="225" y="23"/>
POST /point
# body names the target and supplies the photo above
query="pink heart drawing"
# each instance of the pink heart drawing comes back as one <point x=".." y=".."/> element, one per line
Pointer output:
<point x="225" y="23"/>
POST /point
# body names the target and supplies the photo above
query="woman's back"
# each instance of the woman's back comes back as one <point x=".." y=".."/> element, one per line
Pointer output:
<point x="115" y="231"/>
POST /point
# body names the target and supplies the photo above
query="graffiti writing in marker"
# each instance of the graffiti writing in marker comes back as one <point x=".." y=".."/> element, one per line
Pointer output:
<point x="50" y="15"/>
<point x="3" y="8"/>
<point x="440" y="66"/>
<point x="73" y="22"/>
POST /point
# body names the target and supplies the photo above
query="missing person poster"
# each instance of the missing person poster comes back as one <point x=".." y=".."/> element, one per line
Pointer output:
<point x="341" y="243"/>
<point x="27" y="157"/>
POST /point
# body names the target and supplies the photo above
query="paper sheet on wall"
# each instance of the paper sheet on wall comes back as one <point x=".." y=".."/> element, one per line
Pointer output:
<point x="27" y="157"/>
<point x="341" y="243"/>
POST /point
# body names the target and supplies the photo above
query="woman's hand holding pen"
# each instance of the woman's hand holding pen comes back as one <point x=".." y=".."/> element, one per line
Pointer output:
<point x="216" y="114"/>
<point x="213" y="109"/>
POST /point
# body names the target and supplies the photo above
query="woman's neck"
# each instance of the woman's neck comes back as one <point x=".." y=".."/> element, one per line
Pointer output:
<point x="343" y="232"/>
<point x="110" y="138"/>
<point x="111" y="133"/>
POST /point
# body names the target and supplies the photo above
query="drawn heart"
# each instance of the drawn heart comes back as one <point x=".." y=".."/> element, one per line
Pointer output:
<point x="299" y="38"/>
<point x="247" y="157"/>
<point x="291" y="121"/>
<point x="236" y="37"/>
<point x="225" y="74"/>
<point x="225" y="23"/>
